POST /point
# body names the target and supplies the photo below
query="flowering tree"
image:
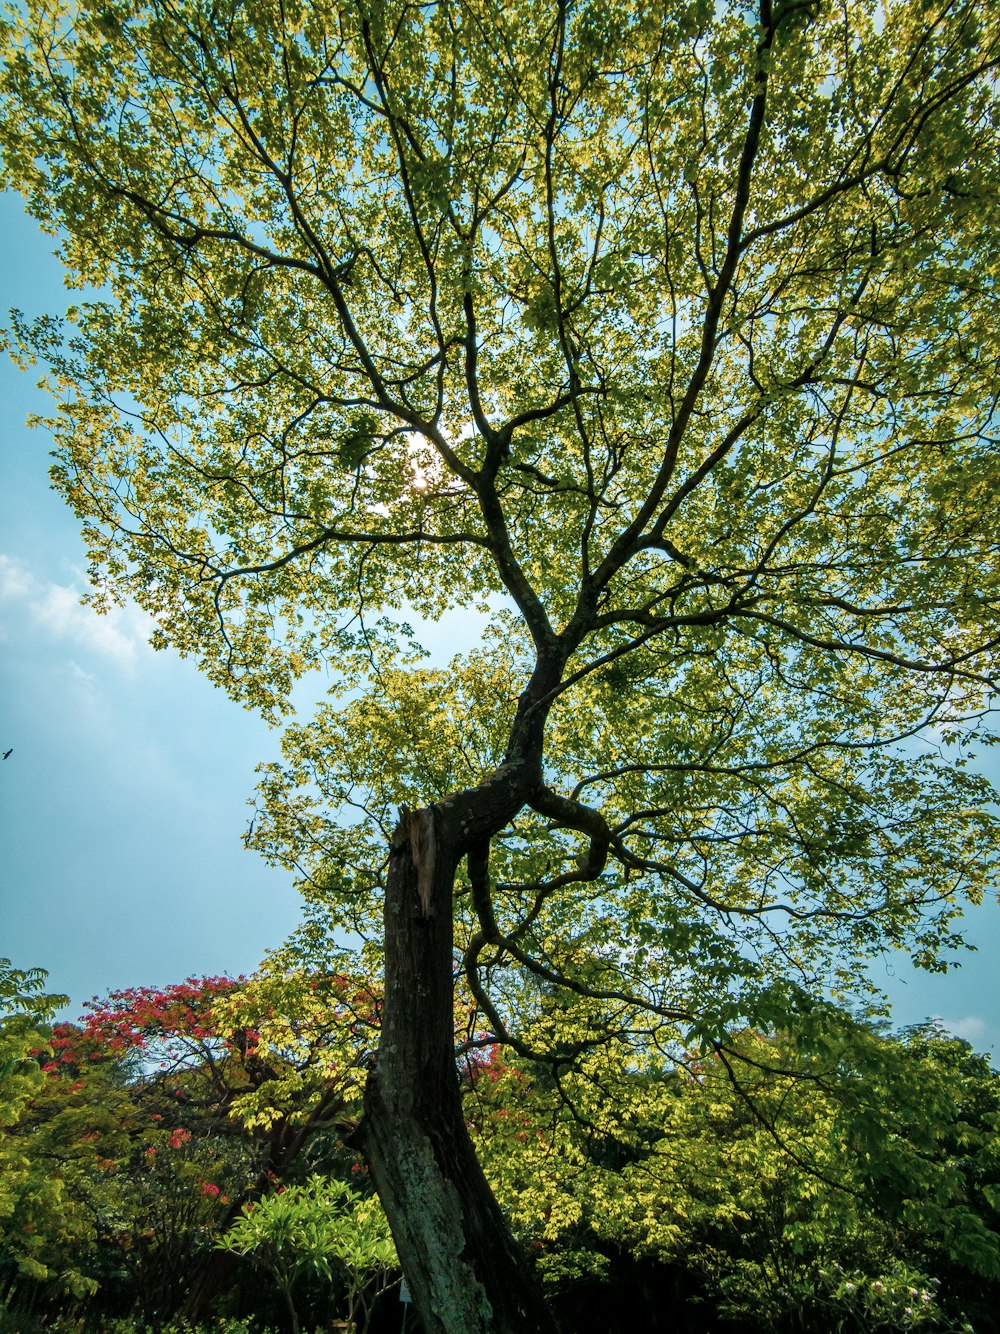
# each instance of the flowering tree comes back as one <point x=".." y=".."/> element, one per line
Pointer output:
<point x="150" y="1122"/>
<point x="280" y="1050"/>
<point x="260" y="1064"/>
<point x="658" y="338"/>
<point x="138" y="1181"/>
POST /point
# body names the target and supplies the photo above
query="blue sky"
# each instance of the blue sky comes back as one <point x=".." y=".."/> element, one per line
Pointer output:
<point x="123" y="805"/>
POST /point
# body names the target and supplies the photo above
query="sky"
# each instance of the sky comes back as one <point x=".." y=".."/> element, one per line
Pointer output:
<point x="123" y="804"/>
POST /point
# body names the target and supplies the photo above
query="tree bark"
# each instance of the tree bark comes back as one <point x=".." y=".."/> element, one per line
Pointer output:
<point x="461" y="1261"/>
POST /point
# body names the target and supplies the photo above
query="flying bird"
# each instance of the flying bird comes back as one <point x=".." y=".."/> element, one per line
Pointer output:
<point x="8" y="753"/>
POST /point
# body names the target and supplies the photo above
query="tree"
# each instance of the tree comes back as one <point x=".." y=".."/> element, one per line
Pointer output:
<point x="31" y="1201"/>
<point x="25" y="1010"/>
<point x="137" y="1135"/>
<point x="660" y="338"/>
<point x="277" y="1054"/>
<point x="855" y="1188"/>
<point x="130" y="1177"/>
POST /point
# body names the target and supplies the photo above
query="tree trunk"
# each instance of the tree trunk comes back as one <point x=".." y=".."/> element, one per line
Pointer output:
<point x="293" y="1315"/>
<point x="216" y="1272"/>
<point x="466" y="1271"/>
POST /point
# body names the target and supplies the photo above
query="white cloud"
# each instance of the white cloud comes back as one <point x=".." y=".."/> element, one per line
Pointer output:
<point x="15" y="581"/>
<point x="971" y="1028"/>
<point x="119" y="634"/>
<point x="78" y="674"/>
<point x="60" y="611"/>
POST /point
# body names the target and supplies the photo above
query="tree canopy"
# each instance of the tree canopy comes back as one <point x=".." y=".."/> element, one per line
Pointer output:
<point x="660" y="338"/>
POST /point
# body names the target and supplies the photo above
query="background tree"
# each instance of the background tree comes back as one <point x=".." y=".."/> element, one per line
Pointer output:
<point x="851" y="1188"/>
<point x="298" y="1045"/>
<point x="140" y="1180"/>
<point x="661" y="336"/>
<point x="143" y="1129"/>
<point x="32" y="1207"/>
<point x="280" y="1051"/>
<point x="836" y="1178"/>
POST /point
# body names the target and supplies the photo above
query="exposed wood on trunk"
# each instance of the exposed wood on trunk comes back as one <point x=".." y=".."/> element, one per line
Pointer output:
<point x="423" y="849"/>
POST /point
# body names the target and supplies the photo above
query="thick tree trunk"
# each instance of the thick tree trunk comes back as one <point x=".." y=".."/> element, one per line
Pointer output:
<point x="465" y="1270"/>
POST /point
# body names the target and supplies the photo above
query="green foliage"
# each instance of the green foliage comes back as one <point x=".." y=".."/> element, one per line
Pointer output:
<point x="322" y="1227"/>
<point x="32" y="1206"/>
<point x="25" y="1010"/>
<point x="660" y="340"/>
<point x="111" y="1325"/>
<point x="128" y="1196"/>
<point x="133" y="1160"/>
<point x="311" y="1032"/>
<point x="137" y="1133"/>
<point x="823" y="1180"/>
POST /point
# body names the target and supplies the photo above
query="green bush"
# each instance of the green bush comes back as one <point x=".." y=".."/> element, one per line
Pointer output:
<point x="17" y="1323"/>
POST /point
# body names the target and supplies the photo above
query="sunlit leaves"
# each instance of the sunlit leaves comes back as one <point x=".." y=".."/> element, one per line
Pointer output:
<point x="321" y="1227"/>
<point x="814" y="1177"/>
<point x="664" y="339"/>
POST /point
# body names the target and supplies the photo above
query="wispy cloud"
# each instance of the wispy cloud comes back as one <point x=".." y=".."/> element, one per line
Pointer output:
<point x="15" y="581"/>
<point x="971" y="1028"/>
<point x="119" y="634"/>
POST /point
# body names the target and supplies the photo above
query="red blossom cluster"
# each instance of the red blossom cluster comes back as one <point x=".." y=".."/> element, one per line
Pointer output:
<point x="68" y="1047"/>
<point x="135" y="1017"/>
<point x="70" y="1052"/>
